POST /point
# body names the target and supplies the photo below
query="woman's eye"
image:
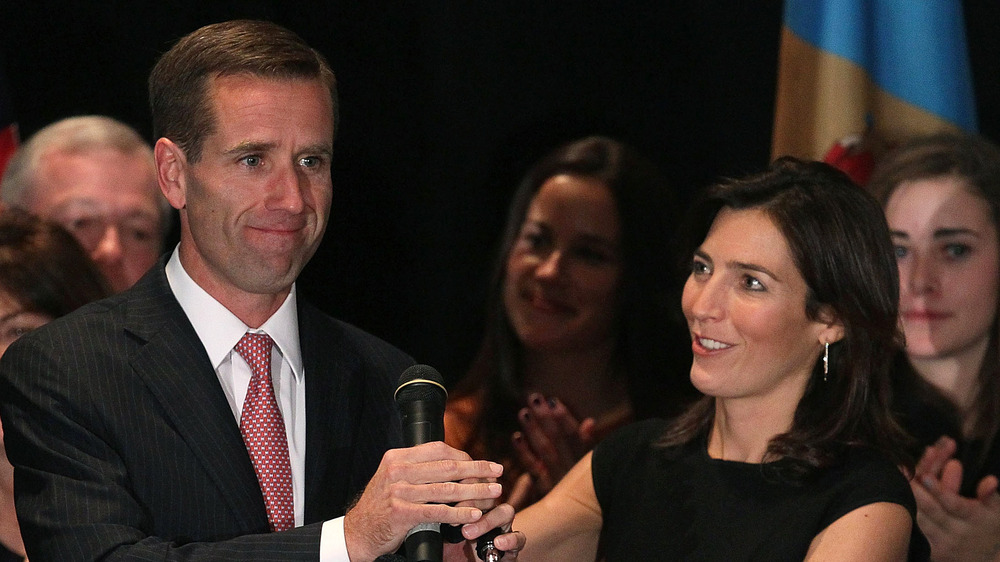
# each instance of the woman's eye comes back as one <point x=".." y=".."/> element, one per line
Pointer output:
<point x="957" y="250"/>
<point x="592" y="255"/>
<point x="753" y="284"/>
<point x="900" y="251"/>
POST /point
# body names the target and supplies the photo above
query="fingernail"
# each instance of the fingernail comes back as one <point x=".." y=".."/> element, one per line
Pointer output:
<point x="496" y="468"/>
<point x="495" y="489"/>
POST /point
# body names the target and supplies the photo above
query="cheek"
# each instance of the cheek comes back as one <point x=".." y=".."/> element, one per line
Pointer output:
<point x="687" y="300"/>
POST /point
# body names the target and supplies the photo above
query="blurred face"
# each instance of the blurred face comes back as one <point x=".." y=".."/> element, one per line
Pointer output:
<point x="745" y="306"/>
<point x="254" y="207"/>
<point x="15" y="321"/>
<point x="948" y="254"/>
<point x="561" y="285"/>
<point x="110" y="202"/>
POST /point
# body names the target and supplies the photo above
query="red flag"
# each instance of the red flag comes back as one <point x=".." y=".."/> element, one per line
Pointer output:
<point x="8" y="126"/>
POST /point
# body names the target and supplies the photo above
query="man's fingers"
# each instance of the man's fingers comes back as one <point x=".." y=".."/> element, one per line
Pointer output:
<point x="441" y="471"/>
<point x="444" y="492"/>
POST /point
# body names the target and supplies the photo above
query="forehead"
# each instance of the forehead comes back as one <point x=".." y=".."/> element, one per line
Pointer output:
<point x="937" y="202"/>
<point x="577" y="202"/>
<point x="253" y="106"/>
<point x="105" y="176"/>
<point x="749" y="236"/>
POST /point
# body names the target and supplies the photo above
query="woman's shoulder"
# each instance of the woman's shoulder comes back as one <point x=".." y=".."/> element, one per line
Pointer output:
<point x="461" y="415"/>
<point x="867" y="476"/>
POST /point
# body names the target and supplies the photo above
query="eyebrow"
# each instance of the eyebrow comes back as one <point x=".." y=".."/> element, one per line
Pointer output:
<point x="582" y="237"/>
<point x="740" y="265"/>
<point x="251" y="146"/>
<point x="939" y="233"/>
<point x="754" y="267"/>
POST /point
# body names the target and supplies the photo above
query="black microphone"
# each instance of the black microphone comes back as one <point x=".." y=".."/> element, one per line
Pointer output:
<point x="420" y="397"/>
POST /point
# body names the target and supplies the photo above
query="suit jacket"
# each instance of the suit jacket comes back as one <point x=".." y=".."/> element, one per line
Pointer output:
<point x="126" y="448"/>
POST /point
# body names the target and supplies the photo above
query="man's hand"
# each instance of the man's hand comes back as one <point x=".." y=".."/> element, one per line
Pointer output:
<point x="415" y="485"/>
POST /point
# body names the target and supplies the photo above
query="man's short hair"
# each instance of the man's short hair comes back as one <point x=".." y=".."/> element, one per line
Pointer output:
<point x="179" y="83"/>
<point x="72" y="135"/>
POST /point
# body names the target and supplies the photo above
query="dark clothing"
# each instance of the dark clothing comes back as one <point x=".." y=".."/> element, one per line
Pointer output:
<point x="8" y="556"/>
<point x="687" y="506"/>
<point x="927" y="415"/>
<point x="126" y="446"/>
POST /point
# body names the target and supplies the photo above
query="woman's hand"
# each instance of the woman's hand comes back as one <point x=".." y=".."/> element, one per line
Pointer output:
<point x="550" y="442"/>
<point x="509" y="542"/>
<point x="957" y="528"/>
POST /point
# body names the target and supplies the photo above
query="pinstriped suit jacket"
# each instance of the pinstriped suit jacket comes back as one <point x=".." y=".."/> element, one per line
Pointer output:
<point x="125" y="447"/>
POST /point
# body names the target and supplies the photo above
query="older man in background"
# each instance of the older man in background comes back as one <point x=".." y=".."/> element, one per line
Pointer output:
<point x="96" y="177"/>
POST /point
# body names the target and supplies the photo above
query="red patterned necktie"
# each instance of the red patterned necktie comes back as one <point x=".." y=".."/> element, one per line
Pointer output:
<point x="264" y="434"/>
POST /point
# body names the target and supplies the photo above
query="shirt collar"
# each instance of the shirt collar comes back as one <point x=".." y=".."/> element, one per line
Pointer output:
<point x="220" y="330"/>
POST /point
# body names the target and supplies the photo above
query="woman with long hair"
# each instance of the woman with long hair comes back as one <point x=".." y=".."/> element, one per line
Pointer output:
<point x="793" y="452"/>
<point x="583" y="318"/>
<point x="941" y="196"/>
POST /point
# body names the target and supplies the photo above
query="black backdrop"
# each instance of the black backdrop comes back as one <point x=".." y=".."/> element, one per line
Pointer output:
<point x="444" y="104"/>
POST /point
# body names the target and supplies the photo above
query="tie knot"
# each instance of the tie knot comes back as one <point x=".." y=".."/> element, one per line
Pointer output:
<point x="255" y="349"/>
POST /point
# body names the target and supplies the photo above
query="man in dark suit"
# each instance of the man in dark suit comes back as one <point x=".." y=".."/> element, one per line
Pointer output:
<point x="208" y="413"/>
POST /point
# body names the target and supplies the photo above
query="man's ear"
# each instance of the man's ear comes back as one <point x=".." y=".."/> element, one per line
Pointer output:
<point x="832" y="330"/>
<point x="171" y="164"/>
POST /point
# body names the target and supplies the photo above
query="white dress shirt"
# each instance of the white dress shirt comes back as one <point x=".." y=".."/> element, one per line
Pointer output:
<point x="219" y="331"/>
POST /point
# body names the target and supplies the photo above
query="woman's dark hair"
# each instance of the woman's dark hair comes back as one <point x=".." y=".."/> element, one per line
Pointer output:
<point x="840" y="242"/>
<point x="976" y="161"/>
<point x="43" y="267"/>
<point x="652" y="349"/>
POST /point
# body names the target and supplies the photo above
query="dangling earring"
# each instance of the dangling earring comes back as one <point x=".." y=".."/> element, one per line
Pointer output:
<point x="826" y="360"/>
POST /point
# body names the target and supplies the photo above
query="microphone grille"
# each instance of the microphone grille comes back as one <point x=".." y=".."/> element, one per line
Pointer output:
<point x="421" y="382"/>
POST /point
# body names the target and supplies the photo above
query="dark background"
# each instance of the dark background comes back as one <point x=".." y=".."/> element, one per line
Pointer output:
<point x="444" y="105"/>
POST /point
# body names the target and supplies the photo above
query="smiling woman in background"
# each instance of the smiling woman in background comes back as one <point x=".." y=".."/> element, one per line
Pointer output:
<point x="941" y="196"/>
<point x="583" y="331"/>
<point x="44" y="274"/>
<point x="793" y="452"/>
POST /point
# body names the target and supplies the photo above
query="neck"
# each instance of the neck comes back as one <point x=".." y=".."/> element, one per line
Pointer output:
<point x="957" y="377"/>
<point x="252" y="308"/>
<point x="584" y="380"/>
<point x="743" y="427"/>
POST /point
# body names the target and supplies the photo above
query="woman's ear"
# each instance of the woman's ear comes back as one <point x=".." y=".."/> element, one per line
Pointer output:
<point x="832" y="329"/>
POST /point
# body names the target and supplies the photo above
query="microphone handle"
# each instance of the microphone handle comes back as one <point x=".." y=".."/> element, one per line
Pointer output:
<point x="485" y="549"/>
<point x="424" y="543"/>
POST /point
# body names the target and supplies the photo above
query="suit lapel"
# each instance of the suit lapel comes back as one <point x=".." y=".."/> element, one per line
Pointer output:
<point x="331" y="377"/>
<point x="174" y="366"/>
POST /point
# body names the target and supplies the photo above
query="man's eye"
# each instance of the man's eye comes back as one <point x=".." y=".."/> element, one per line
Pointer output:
<point x="309" y="162"/>
<point x="252" y="161"/>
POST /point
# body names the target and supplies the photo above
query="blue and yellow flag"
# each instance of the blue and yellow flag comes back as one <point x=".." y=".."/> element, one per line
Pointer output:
<point x="886" y="69"/>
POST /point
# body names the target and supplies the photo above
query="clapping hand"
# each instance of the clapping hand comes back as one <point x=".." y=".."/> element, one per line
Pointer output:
<point x="958" y="528"/>
<point x="550" y="442"/>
